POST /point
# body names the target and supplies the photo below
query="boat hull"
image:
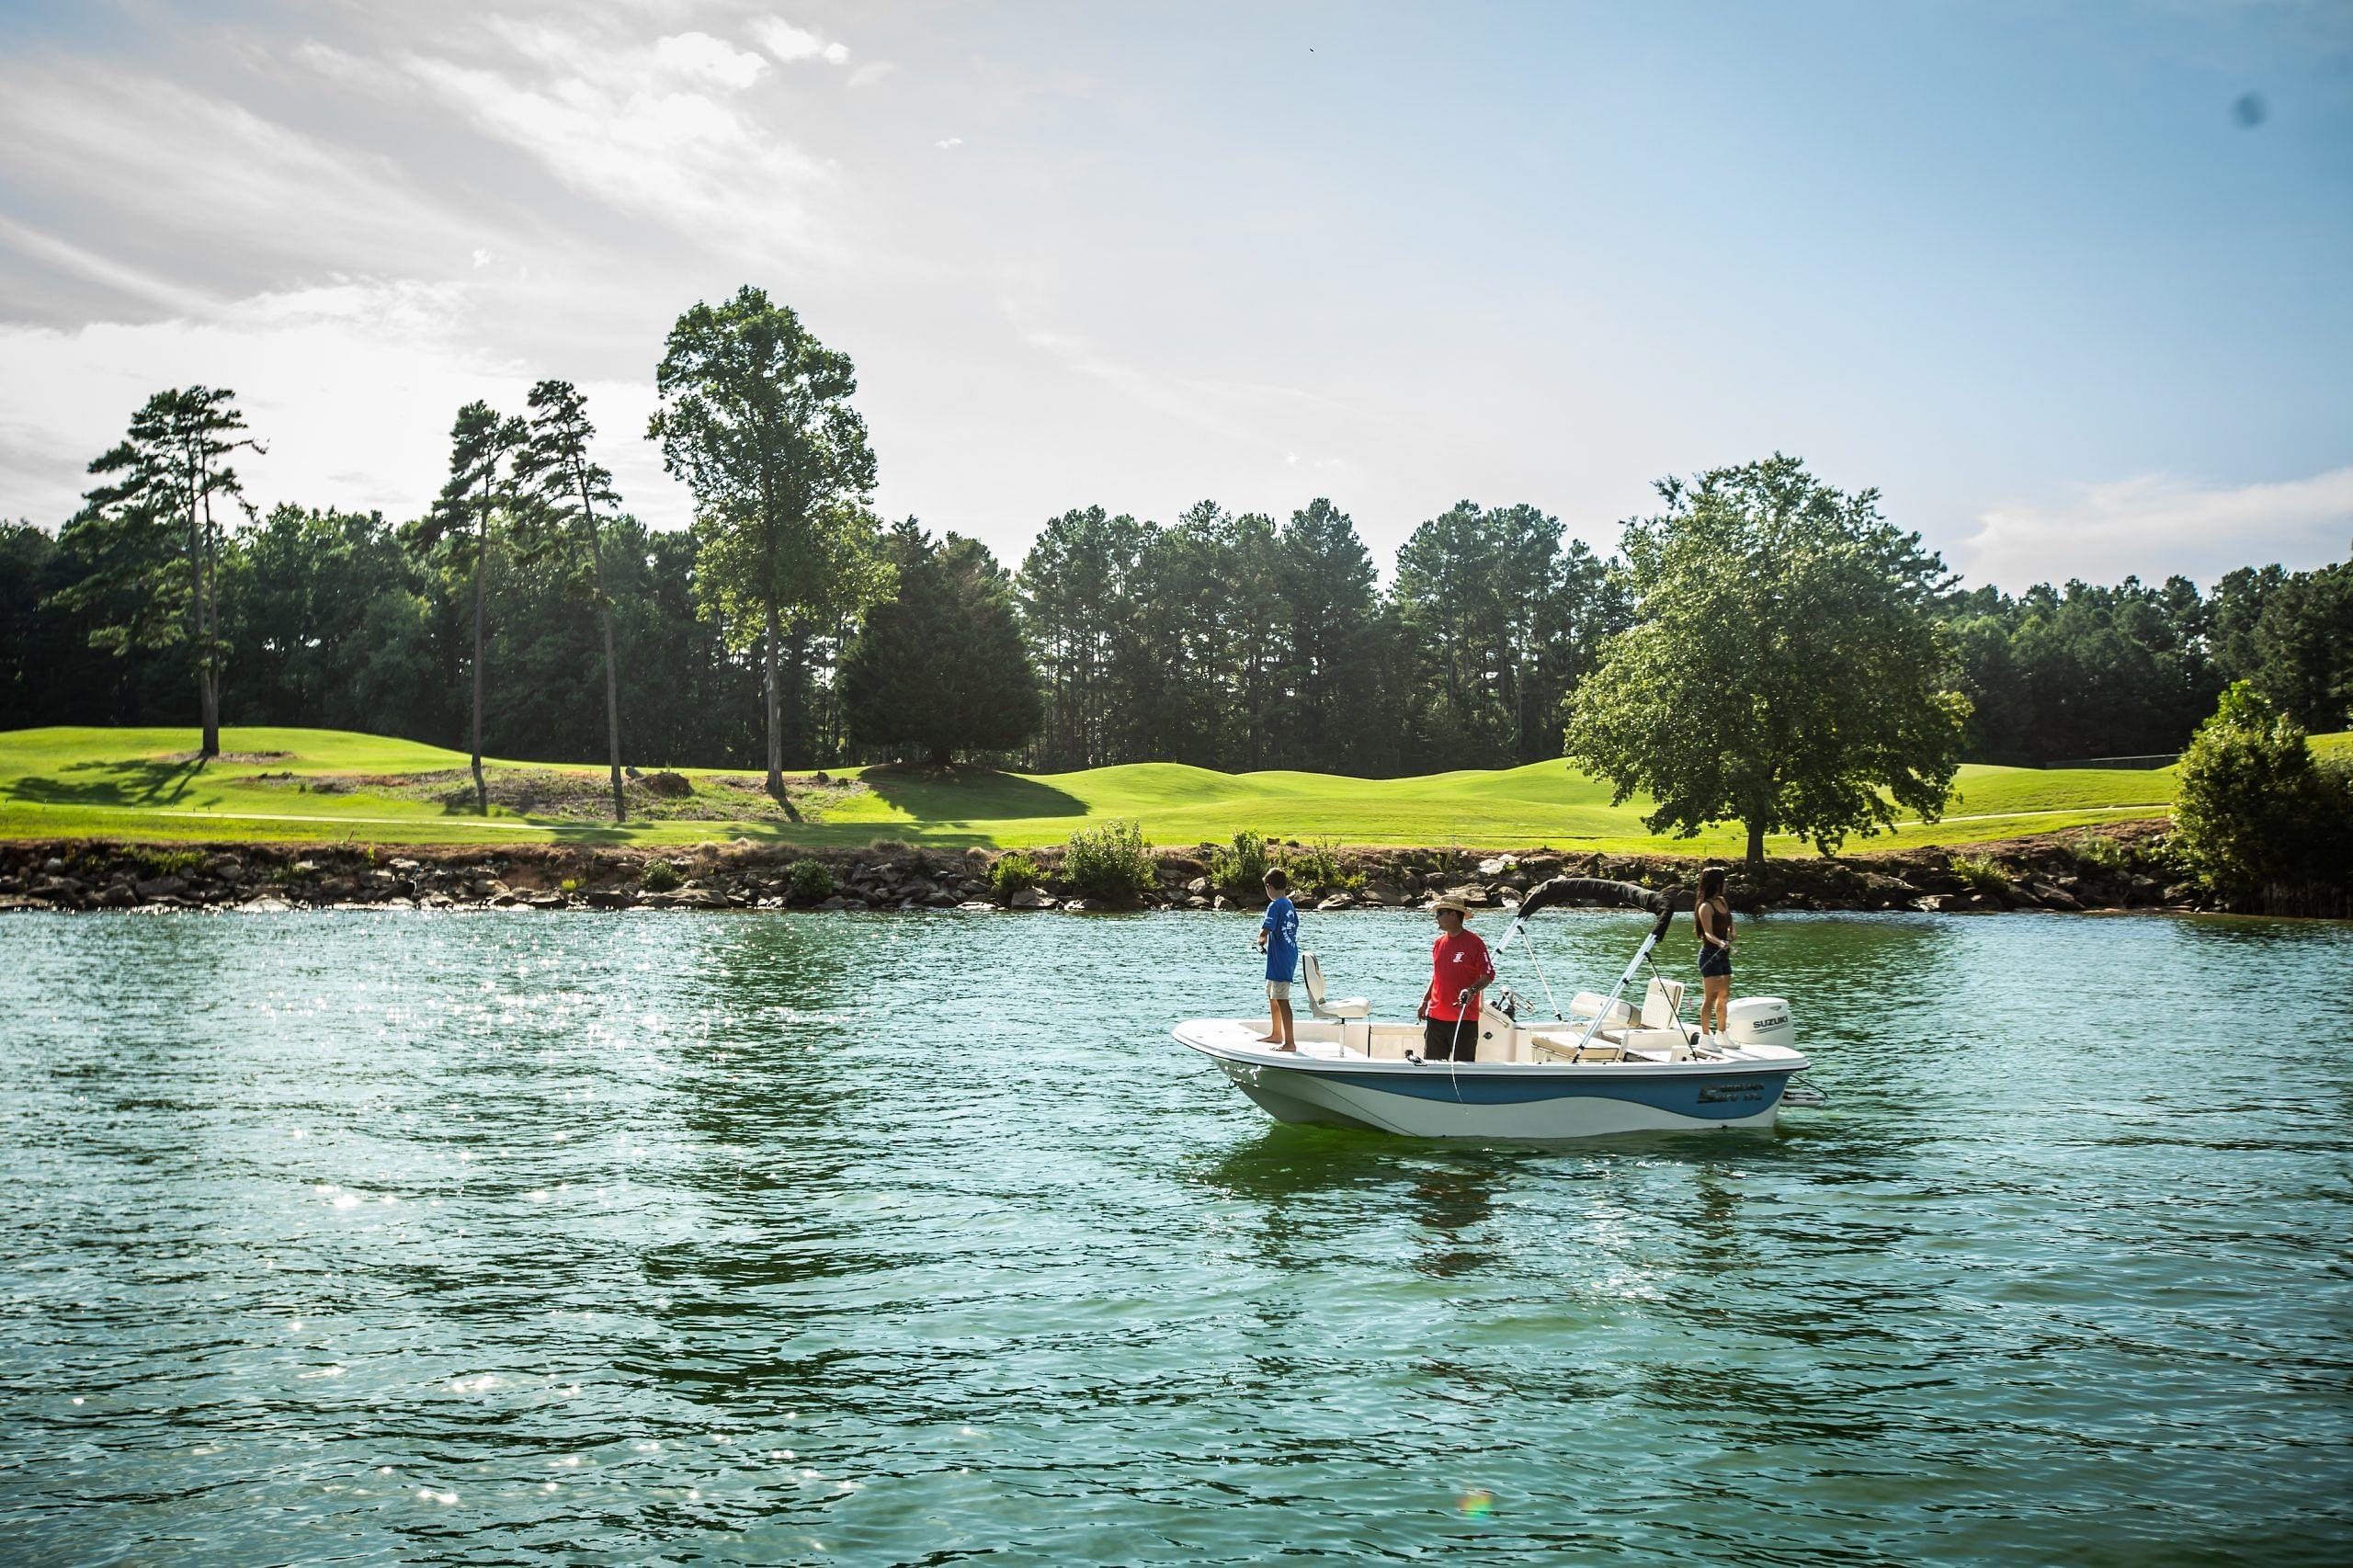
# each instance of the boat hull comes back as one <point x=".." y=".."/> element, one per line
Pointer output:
<point x="1509" y="1102"/>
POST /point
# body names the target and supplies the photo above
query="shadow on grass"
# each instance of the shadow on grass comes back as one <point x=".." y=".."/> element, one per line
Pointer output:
<point x="966" y="794"/>
<point x="119" y="784"/>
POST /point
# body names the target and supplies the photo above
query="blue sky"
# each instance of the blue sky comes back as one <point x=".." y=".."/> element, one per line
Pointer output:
<point x="2022" y="268"/>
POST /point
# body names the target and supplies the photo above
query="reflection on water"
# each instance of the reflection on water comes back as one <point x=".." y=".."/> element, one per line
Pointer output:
<point x="908" y="1238"/>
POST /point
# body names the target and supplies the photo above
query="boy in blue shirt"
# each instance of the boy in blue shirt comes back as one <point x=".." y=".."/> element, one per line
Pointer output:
<point x="1279" y="936"/>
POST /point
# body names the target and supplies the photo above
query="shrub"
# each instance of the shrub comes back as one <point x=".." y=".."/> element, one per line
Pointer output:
<point x="1317" y="869"/>
<point x="1110" y="861"/>
<point x="2251" y="808"/>
<point x="570" y="884"/>
<point x="163" y="862"/>
<point x="660" y="876"/>
<point x="809" y="881"/>
<point x="1981" y="875"/>
<point x="1012" y="873"/>
<point x="1239" y="871"/>
<point x="2099" y="850"/>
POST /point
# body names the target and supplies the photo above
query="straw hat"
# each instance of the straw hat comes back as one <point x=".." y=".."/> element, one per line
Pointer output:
<point x="1449" y="902"/>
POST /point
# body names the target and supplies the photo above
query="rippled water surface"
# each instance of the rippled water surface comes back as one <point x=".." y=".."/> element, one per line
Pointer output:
<point x="614" y="1238"/>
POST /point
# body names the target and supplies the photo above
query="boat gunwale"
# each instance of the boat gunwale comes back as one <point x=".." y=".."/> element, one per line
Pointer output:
<point x="1581" y="1071"/>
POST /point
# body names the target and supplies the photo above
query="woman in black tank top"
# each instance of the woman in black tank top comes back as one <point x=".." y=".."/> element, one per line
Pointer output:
<point x="1712" y="917"/>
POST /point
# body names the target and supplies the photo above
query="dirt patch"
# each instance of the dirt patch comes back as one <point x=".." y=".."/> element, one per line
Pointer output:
<point x="565" y="795"/>
<point x="236" y="757"/>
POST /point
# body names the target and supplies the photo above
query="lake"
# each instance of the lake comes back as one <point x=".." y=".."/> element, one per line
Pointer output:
<point x="517" y="1238"/>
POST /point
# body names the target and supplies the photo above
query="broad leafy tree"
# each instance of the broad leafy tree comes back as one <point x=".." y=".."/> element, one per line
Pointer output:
<point x="553" y="466"/>
<point x="479" y="489"/>
<point x="1784" y="671"/>
<point x="755" y="417"/>
<point x="153" y="532"/>
<point x="2252" y="810"/>
<point x="939" y="667"/>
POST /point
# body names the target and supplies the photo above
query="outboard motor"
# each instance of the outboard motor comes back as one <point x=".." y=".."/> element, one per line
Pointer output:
<point x="1760" y="1020"/>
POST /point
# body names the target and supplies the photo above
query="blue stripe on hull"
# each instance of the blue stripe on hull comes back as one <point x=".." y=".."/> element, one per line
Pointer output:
<point x="1714" y="1098"/>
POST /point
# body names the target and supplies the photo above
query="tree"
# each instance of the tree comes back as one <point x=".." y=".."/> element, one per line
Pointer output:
<point x="756" y="418"/>
<point x="1076" y="586"/>
<point x="156" y="538"/>
<point x="2250" y="807"/>
<point x="939" y="668"/>
<point x="1784" y="670"/>
<point x="478" y="487"/>
<point x="1327" y="588"/>
<point x="553" y="465"/>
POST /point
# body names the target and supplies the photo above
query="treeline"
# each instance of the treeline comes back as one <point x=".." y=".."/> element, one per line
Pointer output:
<point x="1230" y="640"/>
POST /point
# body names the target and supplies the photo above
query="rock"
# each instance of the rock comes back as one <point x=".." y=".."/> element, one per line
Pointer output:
<point x="161" y="887"/>
<point x="503" y="901"/>
<point x="552" y="901"/>
<point x="977" y="907"/>
<point x="306" y="868"/>
<point x="119" y="896"/>
<point x="670" y="786"/>
<point x="697" y="898"/>
<point x="1338" y="901"/>
<point x="608" y="898"/>
<point x="1080" y="907"/>
<point x="1198" y="888"/>
<point x="10" y="901"/>
<point x="1387" y="894"/>
<point x="1196" y="901"/>
<point x="265" y="904"/>
<point x="1930" y="903"/>
<point x="1221" y="902"/>
<point x="1496" y="865"/>
<point x="836" y="901"/>
<point x="1030" y="898"/>
<point x="53" y="866"/>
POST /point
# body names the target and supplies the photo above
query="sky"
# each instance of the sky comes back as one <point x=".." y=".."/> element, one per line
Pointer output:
<point x="2070" y="285"/>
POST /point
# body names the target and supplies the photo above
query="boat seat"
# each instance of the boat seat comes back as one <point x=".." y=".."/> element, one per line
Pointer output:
<point x="1320" y="1002"/>
<point x="1586" y="1003"/>
<point x="1662" y="1003"/>
<point x="1669" y="1042"/>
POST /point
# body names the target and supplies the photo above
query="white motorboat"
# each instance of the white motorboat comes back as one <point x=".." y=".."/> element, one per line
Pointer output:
<point x="1599" y="1066"/>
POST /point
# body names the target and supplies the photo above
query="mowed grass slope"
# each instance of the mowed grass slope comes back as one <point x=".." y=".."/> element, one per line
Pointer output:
<point x="143" y="783"/>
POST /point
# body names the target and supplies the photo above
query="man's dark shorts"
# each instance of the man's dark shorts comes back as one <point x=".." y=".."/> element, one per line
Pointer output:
<point x="1439" y="1036"/>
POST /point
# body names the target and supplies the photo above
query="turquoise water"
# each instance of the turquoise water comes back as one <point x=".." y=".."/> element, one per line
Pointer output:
<point x="526" y="1238"/>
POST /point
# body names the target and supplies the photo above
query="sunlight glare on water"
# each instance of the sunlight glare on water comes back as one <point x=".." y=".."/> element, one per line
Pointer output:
<point x="590" y="1238"/>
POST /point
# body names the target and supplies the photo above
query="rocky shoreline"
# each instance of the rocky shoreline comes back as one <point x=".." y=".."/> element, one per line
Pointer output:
<point x="2116" y="866"/>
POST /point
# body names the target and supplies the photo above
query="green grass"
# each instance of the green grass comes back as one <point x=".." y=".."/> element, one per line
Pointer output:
<point x="136" y="783"/>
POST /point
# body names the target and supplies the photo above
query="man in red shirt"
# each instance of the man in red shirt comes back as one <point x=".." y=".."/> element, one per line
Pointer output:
<point x="1460" y="969"/>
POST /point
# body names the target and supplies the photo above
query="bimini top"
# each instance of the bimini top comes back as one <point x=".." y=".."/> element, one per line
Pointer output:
<point x="1564" y="891"/>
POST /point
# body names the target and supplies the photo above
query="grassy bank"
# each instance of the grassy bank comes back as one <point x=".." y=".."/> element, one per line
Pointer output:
<point x="327" y="785"/>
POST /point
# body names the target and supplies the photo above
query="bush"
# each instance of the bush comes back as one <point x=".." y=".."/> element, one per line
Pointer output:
<point x="2099" y="850"/>
<point x="155" y="863"/>
<point x="809" y="881"/>
<point x="1981" y="875"/>
<point x="1317" y="869"/>
<point x="1239" y="871"/>
<point x="570" y="884"/>
<point x="660" y="876"/>
<point x="1110" y="862"/>
<point x="2251" y="809"/>
<point x="1012" y="873"/>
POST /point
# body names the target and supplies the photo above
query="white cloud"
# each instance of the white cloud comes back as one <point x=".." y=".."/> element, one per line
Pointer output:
<point x="873" y="71"/>
<point x="606" y="123"/>
<point x="789" y="43"/>
<point x="2155" y="525"/>
<point x="951" y="141"/>
<point x="700" y="56"/>
<point x="481" y="258"/>
<point x="351" y="385"/>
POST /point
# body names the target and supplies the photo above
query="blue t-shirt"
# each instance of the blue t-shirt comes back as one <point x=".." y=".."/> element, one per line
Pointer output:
<point x="1281" y="926"/>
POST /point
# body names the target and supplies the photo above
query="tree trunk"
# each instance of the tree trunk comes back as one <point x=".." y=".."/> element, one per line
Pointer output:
<point x="1756" y="845"/>
<point x="776" y="736"/>
<point x="612" y="711"/>
<point x="208" y="690"/>
<point x="612" y="665"/>
<point x="482" y="555"/>
<point x="941" y="756"/>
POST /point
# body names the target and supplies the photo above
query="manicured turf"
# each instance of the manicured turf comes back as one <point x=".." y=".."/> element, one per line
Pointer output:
<point x="138" y="784"/>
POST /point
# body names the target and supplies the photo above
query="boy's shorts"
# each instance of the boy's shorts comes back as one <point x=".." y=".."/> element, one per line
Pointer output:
<point x="1279" y="991"/>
